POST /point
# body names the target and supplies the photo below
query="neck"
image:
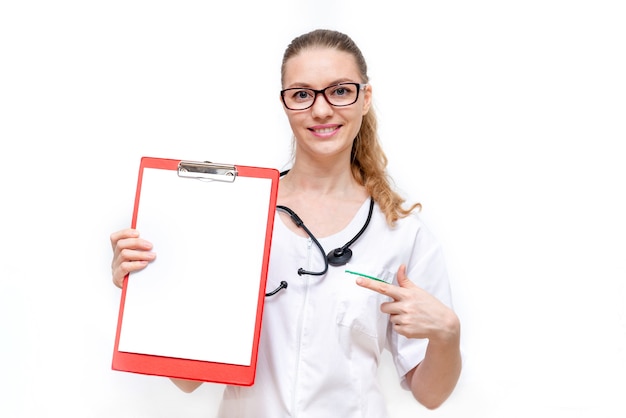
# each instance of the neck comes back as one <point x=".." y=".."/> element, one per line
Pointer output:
<point x="329" y="180"/>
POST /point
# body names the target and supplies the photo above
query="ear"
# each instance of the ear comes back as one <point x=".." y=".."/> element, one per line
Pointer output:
<point x="367" y="99"/>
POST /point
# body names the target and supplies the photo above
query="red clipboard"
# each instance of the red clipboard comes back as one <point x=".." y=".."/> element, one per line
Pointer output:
<point x="196" y="312"/>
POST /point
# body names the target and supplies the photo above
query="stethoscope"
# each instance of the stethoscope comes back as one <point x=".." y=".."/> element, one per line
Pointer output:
<point x="337" y="257"/>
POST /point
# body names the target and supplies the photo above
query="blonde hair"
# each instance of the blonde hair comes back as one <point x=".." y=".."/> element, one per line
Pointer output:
<point x="368" y="160"/>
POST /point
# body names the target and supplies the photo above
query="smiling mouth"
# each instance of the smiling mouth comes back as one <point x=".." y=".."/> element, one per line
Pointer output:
<point x="325" y="130"/>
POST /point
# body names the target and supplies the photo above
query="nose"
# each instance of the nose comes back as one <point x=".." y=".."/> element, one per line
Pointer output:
<point x="321" y="108"/>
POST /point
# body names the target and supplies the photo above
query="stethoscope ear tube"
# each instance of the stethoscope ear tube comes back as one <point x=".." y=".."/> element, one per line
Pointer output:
<point x="283" y="285"/>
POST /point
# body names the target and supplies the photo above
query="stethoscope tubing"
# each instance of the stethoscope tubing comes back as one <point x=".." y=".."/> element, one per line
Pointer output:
<point x="337" y="257"/>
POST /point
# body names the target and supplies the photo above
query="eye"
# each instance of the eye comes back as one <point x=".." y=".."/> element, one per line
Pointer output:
<point x="342" y="91"/>
<point x="301" y="95"/>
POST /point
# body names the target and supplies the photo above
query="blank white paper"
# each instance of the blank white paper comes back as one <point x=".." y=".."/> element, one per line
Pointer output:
<point x="198" y="300"/>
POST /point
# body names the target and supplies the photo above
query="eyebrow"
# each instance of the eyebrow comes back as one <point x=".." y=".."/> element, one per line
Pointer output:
<point x="309" y="86"/>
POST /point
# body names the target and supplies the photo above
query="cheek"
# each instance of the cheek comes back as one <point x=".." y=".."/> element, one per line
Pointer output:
<point x="292" y="119"/>
<point x="357" y="118"/>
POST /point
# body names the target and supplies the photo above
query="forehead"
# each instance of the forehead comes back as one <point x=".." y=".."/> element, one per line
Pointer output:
<point x="318" y="67"/>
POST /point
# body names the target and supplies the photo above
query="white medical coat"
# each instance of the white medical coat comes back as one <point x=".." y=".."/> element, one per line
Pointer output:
<point x="323" y="336"/>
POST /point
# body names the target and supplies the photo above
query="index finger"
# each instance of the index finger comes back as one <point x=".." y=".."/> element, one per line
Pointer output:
<point x="379" y="286"/>
<point x="124" y="233"/>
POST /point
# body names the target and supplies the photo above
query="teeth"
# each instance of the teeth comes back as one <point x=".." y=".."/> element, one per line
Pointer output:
<point x="324" y="130"/>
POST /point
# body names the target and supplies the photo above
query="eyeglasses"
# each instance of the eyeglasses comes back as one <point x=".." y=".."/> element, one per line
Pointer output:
<point x="342" y="94"/>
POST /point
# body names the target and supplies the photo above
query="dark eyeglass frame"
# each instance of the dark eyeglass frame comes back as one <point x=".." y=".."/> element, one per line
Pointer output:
<point x="359" y="87"/>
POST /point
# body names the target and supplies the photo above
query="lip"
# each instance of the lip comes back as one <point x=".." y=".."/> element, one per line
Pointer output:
<point x="325" y="131"/>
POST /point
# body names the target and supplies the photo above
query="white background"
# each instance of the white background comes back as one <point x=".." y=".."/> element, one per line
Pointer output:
<point x="505" y="119"/>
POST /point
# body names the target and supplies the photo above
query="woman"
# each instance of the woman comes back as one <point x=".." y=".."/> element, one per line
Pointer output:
<point x="323" y="336"/>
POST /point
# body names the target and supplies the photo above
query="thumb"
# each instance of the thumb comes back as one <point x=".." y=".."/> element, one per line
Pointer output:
<point x="403" y="280"/>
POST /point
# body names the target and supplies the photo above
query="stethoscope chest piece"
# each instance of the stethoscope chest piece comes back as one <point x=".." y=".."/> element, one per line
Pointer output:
<point x="339" y="256"/>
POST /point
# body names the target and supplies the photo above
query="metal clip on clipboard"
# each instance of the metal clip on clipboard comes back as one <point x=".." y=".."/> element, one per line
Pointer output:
<point x="207" y="171"/>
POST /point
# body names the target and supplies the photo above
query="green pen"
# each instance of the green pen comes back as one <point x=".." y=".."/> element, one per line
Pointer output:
<point x="365" y="275"/>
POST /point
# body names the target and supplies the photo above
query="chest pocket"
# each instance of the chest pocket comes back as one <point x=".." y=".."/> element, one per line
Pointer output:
<point x="359" y="308"/>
